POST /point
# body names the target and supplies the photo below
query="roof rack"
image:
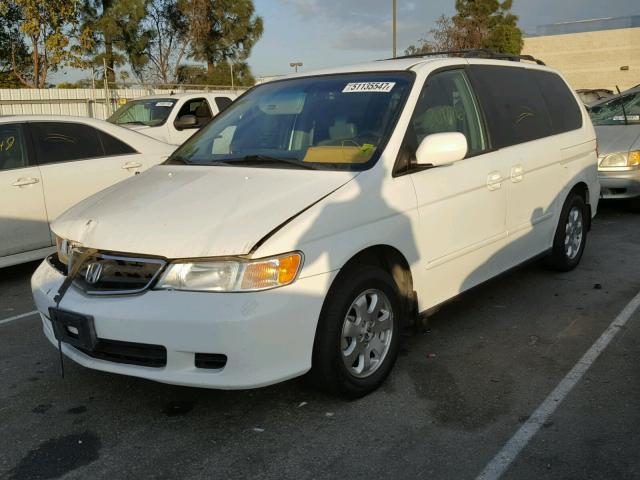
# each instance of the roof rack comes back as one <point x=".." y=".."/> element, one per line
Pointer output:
<point x="475" y="53"/>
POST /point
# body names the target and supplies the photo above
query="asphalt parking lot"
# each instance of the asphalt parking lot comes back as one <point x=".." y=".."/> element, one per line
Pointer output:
<point x="461" y="389"/>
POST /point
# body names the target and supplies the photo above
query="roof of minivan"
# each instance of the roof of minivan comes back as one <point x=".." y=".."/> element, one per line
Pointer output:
<point x="408" y="64"/>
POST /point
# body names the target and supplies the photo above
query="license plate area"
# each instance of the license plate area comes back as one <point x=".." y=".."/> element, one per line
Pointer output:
<point x="73" y="328"/>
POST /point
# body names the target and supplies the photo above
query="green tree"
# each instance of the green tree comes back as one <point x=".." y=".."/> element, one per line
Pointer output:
<point x="45" y="29"/>
<point x="221" y="30"/>
<point x="168" y="28"/>
<point x="477" y="24"/>
<point x="488" y="24"/>
<point x="82" y="83"/>
<point x="116" y="30"/>
<point x="12" y="47"/>
<point x="219" y="75"/>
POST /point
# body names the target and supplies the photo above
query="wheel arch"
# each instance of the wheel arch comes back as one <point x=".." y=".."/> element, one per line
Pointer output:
<point x="391" y="260"/>
<point x="582" y="189"/>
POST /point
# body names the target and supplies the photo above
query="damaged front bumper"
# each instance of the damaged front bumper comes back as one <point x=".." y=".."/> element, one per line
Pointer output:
<point x="258" y="338"/>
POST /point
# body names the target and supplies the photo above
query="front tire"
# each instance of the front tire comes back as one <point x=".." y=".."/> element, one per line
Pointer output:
<point x="357" y="338"/>
<point x="571" y="235"/>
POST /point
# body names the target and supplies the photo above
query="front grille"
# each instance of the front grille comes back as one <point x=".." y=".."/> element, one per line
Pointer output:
<point x="106" y="274"/>
<point x="142" y="354"/>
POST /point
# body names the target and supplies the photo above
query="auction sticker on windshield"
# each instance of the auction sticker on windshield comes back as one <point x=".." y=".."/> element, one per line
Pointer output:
<point x="366" y="87"/>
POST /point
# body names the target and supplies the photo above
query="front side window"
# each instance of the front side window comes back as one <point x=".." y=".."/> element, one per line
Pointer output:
<point x="624" y="110"/>
<point x="150" y="112"/>
<point x="65" y="141"/>
<point x="199" y="108"/>
<point x="446" y="104"/>
<point x="13" y="152"/>
<point x="326" y="122"/>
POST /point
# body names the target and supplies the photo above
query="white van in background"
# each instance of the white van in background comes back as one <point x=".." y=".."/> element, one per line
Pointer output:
<point x="171" y="118"/>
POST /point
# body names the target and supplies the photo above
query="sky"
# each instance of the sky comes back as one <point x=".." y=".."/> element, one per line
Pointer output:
<point x="324" y="33"/>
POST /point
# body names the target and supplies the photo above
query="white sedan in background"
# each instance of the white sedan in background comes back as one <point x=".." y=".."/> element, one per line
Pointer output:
<point x="49" y="163"/>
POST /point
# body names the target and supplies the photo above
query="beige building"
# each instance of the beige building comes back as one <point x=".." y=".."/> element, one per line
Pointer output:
<point x="600" y="58"/>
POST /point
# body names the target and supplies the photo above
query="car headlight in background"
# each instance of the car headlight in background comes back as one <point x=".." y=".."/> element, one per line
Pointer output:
<point x="231" y="275"/>
<point x="621" y="159"/>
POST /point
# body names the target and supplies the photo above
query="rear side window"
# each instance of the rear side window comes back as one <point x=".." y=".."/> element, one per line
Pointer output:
<point x="564" y="111"/>
<point x="514" y="108"/>
<point x="112" y="146"/>
<point x="222" y="103"/>
<point x="65" y="141"/>
<point x="13" y="152"/>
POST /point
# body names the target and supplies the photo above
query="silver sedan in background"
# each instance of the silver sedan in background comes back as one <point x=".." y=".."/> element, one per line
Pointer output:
<point x="617" y="124"/>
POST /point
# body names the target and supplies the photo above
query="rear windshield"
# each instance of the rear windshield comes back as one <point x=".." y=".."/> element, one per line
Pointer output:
<point x="149" y="112"/>
<point x="326" y="122"/>
<point x="624" y="110"/>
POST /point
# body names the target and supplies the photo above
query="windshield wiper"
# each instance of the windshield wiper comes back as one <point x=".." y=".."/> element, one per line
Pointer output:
<point x="264" y="159"/>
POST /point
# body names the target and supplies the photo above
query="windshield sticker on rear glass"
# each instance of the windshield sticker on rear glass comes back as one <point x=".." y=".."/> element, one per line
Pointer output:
<point x="164" y="104"/>
<point x="366" y="87"/>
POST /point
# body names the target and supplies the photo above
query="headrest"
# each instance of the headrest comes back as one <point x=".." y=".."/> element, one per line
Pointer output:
<point x="342" y="130"/>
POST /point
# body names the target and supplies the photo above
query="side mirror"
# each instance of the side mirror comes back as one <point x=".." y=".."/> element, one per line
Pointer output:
<point x="442" y="149"/>
<point x="186" y="121"/>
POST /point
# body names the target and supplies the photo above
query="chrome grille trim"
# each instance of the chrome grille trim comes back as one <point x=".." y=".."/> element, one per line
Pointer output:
<point x="121" y="266"/>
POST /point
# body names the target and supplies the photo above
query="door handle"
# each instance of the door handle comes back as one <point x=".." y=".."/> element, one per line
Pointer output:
<point x="131" y="165"/>
<point x="517" y="173"/>
<point x="494" y="181"/>
<point x="24" y="181"/>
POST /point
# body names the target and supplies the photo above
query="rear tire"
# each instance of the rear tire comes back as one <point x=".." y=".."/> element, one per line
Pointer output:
<point x="357" y="338"/>
<point x="571" y="235"/>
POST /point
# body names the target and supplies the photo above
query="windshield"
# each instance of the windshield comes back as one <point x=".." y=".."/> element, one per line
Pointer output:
<point x="326" y="122"/>
<point x="614" y="111"/>
<point x="151" y="112"/>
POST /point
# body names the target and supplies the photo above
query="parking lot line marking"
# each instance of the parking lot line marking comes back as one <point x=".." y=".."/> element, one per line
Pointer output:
<point x="501" y="462"/>
<point x="18" y="317"/>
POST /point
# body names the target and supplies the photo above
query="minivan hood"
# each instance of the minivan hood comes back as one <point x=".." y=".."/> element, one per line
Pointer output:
<point x="617" y="138"/>
<point x="195" y="211"/>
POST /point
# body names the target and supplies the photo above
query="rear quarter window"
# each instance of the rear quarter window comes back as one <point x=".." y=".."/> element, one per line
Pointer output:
<point x="562" y="106"/>
<point x="112" y="146"/>
<point x="513" y="106"/>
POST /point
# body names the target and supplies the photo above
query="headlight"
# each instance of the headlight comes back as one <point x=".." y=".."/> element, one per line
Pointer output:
<point x="621" y="159"/>
<point x="64" y="249"/>
<point x="231" y="275"/>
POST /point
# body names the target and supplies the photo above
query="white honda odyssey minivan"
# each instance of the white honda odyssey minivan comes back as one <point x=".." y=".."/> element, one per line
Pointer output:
<point x="307" y="226"/>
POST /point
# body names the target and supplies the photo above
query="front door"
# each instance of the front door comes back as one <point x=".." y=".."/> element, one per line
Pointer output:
<point x="462" y="207"/>
<point x="23" y="217"/>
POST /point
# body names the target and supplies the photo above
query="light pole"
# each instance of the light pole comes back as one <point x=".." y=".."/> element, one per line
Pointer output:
<point x="295" y="65"/>
<point x="394" y="28"/>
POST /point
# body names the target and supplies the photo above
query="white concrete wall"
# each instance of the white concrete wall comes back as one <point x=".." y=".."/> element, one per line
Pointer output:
<point x="83" y="102"/>
<point x="591" y="59"/>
